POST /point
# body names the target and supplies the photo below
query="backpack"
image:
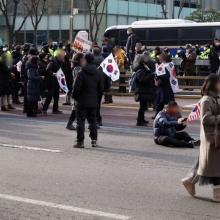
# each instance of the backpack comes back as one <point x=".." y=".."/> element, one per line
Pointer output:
<point x="132" y="82"/>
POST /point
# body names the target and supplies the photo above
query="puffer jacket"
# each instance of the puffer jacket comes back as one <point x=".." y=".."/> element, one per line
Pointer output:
<point x="165" y="125"/>
<point x="120" y="59"/>
<point x="145" y="90"/>
<point x="33" y="84"/>
<point x="190" y="60"/>
<point x="87" y="87"/>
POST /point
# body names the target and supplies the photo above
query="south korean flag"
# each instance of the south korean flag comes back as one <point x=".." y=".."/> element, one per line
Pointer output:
<point x="110" y="68"/>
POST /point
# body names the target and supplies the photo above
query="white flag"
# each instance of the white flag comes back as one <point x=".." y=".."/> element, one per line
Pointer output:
<point x="110" y="68"/>
<point x="18" y="66"/>
<point x="62" y="80"/>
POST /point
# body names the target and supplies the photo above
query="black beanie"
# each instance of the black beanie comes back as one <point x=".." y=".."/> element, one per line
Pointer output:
<point x="89" y="58"/>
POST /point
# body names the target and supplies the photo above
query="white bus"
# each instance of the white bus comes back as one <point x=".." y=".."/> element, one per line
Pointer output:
<point x="170" y="33"/>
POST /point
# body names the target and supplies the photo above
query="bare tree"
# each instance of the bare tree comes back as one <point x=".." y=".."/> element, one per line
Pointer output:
<point x="10" y="10"/>
<point x="37" y="8"/>
<point x="182" y="2"/>
<point x="164" y="13"/>
<point x="95" y="16"/>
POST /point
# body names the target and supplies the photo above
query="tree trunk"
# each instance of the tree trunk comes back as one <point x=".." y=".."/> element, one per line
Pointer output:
<point x="35" y="36"/>
<point x="10" y="37"/>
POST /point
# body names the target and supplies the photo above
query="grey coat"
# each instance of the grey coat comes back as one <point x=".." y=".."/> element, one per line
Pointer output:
<point x="209" y="159"/>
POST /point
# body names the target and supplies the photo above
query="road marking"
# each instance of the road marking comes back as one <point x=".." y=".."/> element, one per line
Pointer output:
<point x="30" y="148"/>
<point x="64" y="207"/>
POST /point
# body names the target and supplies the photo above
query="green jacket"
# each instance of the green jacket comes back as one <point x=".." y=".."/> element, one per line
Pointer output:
<point x="205" y="54"/>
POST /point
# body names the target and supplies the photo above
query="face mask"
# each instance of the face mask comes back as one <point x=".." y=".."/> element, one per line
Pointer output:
<point x="188" y="51"/>
<point x="178" y="51"/>
<point x="205" y="48"/>
<point x="128" y="32"/>
<point x="217" y="44"/>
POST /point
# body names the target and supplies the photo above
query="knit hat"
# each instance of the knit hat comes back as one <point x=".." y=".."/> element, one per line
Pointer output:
<point x="89" y="58"/>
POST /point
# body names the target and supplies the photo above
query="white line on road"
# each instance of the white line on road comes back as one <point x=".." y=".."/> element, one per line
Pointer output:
<point x="30" y="148"/>
<point x="64" y="207"/>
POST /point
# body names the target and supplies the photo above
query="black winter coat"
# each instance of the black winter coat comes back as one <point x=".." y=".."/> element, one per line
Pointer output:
<point x="145" y="90"/>
<point x="33" y="85"/>
<point x="214" y="58"/>
<point x="87" y="87"/>
<point x="15" y="81"/>
<point x="4" y="80"/>
<point x="52" y="67"/>
<point x="42" y="65"/>
<point x="66" y="68"/>
<point x="24" y="76"/>
<point x="131" y="42"/>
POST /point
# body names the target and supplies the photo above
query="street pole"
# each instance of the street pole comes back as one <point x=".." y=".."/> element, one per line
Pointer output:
<point x="71" y="22"/>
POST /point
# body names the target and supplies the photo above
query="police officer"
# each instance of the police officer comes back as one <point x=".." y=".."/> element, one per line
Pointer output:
<point x="214" y="55"/>
<point x="179" y="53"/>
<point x="205" y="54"/>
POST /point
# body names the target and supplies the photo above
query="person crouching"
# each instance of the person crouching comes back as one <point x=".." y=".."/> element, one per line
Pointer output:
<point x="168" y="128"/>
<point x="33" y="85"/>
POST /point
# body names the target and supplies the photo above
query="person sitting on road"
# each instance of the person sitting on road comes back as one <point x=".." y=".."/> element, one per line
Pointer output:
<point x="168" y="128"/>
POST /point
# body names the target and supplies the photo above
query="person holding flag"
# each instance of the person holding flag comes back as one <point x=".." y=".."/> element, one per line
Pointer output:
<point x="54" y="65"/>
<point x="206" y="170"/>
<point x="168" y="128"/>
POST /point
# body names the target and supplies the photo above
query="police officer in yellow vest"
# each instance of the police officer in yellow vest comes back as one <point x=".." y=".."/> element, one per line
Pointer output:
<point x="205" y="54"/>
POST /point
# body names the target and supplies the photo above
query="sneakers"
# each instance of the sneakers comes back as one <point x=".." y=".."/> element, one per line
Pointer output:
<point x="4" y="108"/>
<point x="94" y="143"/>
<point x="141" y="123"/>
<point x="189" y="144"/>
<point x="216" y="193"/>
<point x="57" y="112"/>
<point x="79" y="145"/>
<point x="10" y="107"/>
<point x="190" y="187"/>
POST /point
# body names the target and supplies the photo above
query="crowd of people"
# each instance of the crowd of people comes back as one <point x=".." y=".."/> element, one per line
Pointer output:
<point x="36" y="79"/>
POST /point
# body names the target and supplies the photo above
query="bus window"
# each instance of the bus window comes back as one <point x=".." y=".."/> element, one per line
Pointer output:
<point x="112" y="35"/>
<point x="196" y="33"/>
<point x="163" y="34"/>
<point x="217" y="32"/>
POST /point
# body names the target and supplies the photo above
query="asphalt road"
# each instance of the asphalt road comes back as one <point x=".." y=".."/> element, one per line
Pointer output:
<point x="126" y="177"/>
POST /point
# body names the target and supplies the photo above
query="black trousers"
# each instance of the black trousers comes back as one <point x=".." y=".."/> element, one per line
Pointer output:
<point x="122" y="89"/>
<point x="98" y="113"/>
<point x="73" y="115"/>
<point x="25" y="106"/>
<point x="176" y="141"/>
<point x="52" y="93"/>
<point x="81" y="114"/>
<point x="160" y="107"/>
<point x="15" y="95"/>
<point x="141" y="111"/>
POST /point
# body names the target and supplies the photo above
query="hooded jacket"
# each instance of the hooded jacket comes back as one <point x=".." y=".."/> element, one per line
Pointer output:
<point x="33" y="84"/>
<point x="87" y="87"/>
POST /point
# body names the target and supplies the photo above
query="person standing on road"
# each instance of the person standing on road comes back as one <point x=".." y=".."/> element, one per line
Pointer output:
<point x="145" y="90"/>
<point x="86" y="90"/>
<point x="33" y="85"/>
<point x="130" y="45"/>
<point x="55" y="63"/>
<point x="207" y="168"/>
<point x="189" y="64"/>
<point x="5" y="89"/>
<point x="168" y="128"/>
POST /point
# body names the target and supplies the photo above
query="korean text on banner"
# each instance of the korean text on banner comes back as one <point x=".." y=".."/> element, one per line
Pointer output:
<point x="81" y="44"/>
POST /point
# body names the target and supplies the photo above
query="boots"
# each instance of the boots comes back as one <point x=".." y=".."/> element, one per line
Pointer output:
<point x="216" y="193"/>
<point x="70" y="126"/>
<point x="68" y="100"/>
<point x="10" y="107"/>
<point x="190" y="187"/>
<point x="4" y="109"/>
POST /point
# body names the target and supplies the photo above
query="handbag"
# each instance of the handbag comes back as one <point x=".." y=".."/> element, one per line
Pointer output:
<point x="217" y="132"/>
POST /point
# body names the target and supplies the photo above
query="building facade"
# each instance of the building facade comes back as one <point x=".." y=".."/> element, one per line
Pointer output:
<point x="55" y="21"/>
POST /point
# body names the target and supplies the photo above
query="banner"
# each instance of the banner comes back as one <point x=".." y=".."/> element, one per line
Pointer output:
<point x="161" y="70"/>
<point x="110" y="68"/>
<point x="81" y="44"/>
<point x="62" y="80"/>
